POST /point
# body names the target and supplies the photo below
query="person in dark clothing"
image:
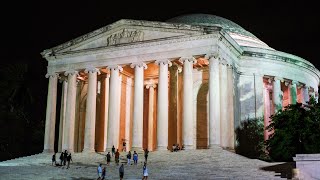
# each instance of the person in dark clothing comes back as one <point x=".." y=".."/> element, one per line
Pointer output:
<point x="121" y="171"/>
<point x="61" y="158"/>
<point x="103" y="173"/>
<point x="54" y="159"/>
<point x="69" y="158"/>
<point x="117" y="156"/>
<point x="146" y="153"/>
<point x="108" y="158"/>
<point x="65" y="156"/>
<point x="113" y="150"/>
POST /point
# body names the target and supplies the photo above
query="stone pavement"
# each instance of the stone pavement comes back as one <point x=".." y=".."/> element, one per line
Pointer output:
<point x="187" y="164"/>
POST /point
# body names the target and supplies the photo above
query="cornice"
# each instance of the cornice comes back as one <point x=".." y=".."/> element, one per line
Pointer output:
<point x="275" y="57"/>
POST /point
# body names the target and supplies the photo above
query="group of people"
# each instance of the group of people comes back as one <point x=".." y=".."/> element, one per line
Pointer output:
<point x="102" y="171"/>
<point x="116" y="154"/>
<point x="176" y="147"/>
<point x="65" y="159"/>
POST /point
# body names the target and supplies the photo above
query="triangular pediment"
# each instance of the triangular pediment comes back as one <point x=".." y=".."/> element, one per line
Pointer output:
<point x="124" y="32"/>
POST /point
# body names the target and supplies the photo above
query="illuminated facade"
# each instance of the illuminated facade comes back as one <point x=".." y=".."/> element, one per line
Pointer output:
<point x="190" y="80"/>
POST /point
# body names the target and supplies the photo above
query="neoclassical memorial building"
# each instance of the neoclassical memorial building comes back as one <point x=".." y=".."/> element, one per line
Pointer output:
<point x="189" y="80"/>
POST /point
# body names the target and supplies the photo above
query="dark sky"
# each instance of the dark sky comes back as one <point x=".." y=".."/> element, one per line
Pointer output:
<point x="31" y="27"/>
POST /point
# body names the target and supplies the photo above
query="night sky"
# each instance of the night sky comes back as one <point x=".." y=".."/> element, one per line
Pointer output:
<point x="31" y="27"/>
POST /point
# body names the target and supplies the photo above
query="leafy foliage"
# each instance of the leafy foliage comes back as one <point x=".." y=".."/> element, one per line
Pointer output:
<point x="250" y="139"/>
<point x="296" y="130"/>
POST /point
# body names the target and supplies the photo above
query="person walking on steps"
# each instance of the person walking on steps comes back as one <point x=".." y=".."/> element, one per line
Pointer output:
<point x="121" y="171"/>
<point x="113" y="150"/>
<point x="54" y="159"/>
<point x="145" y="171"/>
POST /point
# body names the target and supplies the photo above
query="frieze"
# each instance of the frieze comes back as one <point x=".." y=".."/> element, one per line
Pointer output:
<point x="150" y="43"/>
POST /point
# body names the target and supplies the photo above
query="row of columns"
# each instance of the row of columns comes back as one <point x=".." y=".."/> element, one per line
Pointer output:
<point x="274" y="86"/>
<point x="220" y="102"/>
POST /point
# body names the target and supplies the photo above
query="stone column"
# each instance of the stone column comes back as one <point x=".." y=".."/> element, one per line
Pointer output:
<point x="188" y="124"/>
<point x="90" y="122"/>
<point x="230" y="105"/>
<point x="114" y="107"/>
<point x="68" y="131"/>
<point x="137" y="133"/>
<point x="214" y="101"/>
<point x="293" y="92"/>
<point x="224" y="109"/>
<point x="267" y="108"/>
<point x="62" y="112"/>
<point x="305" y="94"/>
<point x="50" y="113"/>
<point x="277" y="94"/>
<point x="150" y="115"/>
<point x="105" y="108"/>
<point x="163" y="99"/>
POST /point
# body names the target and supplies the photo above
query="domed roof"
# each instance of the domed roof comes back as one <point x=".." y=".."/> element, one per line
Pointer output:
<point x="239" y="34"/>
<point x="211" y="20"/>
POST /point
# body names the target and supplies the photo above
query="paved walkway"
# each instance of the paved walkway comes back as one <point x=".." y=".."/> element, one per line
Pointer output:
<point x="188" y="164"/>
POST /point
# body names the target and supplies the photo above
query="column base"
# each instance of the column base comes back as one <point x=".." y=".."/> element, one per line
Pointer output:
<point x="162" y="148"/>
<point x="189" y="147"/>
<point x="48" y="151"/>
<point x="88" y="151"/>
<point x="216" y="147"/>
<point x="136" y="149"/>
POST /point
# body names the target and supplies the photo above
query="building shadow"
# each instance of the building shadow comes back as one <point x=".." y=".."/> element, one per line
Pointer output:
<point x="285" y="169"/>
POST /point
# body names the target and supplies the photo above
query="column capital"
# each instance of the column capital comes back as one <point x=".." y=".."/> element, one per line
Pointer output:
<point x="214" y="55"/>
<point x="276" y="78"/>
<point x="92" y="70"/>
<point x="139" y="64"/>
<point x="71" y="72"/>
<point x="286" y="83"/>
<point x="115" y="67"/>
<point x="189" y="59"/>
<point x="294" y="82"/>
<point x="163" y="62"/>
<point x="52" y="75"/>
<point x="148" y="86"/>
<point x="223" y="61"/>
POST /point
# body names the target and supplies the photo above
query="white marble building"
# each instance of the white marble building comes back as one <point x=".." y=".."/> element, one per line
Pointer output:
<point x="190" y="80"/>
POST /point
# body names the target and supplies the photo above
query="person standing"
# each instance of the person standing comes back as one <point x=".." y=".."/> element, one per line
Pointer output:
<point x="113" y="150"/>
<point x="121" y="171"/>
<point x="108" y="158"/>
<point x="124" y="146"/>
<point x="69" y="158"/>
<point x="103" y="173"/>
<point x="65" y="156"/>
<point x="129" y="157"/>
<point x="117" y="156"/>
<point x="61" y="158"/>
<point x="145" y="171"/>
<point x="146" y="153"/>
<point x="135" y="158"/>
<point x="54" y="158"/>
<point x="99" y="171"/>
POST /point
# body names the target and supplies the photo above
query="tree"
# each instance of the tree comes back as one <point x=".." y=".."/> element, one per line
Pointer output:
<point x="296" y="130"/>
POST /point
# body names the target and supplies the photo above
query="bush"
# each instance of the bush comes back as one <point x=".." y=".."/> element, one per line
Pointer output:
<point x="250" y="139"/>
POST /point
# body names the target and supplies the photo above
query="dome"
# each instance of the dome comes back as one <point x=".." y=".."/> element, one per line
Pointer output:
<point x="242" y="36"/>
<point x="211" y="20"/>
